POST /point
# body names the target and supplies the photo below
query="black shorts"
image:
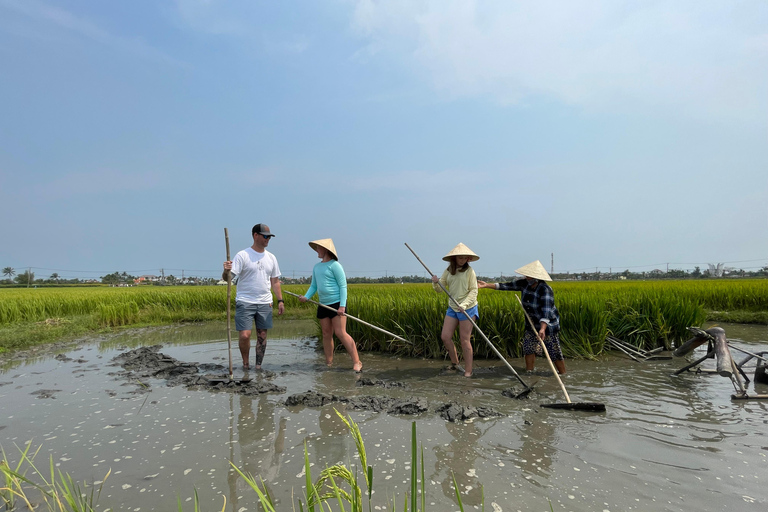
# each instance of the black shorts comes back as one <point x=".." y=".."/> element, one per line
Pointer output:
<point x="327" y="313"/>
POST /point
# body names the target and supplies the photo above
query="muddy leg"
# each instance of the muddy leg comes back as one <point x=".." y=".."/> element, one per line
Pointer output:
<point x="261" y="346"/>
<point x="327" y="327"/>
<point x="244" y="341"/>
<point x="529" y="361"/>
<point x="465" y="335"/>
<point x="560" y="365"/>
<point x="449" y="325"/>
<point x="340" y="328"/>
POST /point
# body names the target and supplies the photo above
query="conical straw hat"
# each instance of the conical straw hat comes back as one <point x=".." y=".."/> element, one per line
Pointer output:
<point x="461" y="250"/>
<point x="325" y="243"/>
<point x="535" y="270"/>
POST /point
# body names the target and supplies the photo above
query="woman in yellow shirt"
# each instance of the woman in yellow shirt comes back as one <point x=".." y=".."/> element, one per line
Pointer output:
<point x="461" y="282"/>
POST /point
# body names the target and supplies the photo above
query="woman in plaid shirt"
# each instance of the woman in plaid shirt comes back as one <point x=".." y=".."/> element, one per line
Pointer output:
<point x="539" y="302"/>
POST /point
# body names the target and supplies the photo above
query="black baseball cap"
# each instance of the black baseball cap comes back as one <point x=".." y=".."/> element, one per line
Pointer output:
<point x="261" y="229"/>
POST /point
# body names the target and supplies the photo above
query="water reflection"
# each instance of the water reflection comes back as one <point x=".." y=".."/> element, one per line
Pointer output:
<point x="458" y="459"/>
<point x="260" y="435"/>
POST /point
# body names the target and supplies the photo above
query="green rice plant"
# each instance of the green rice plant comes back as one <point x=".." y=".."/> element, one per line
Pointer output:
<point x="114" y="315"/>
<point x="196" y="503"/>
<point x="58" y="492"/>
<point x="318" y="495"/>
<point x="647" y="313"/>
<point x="584" y="321"/>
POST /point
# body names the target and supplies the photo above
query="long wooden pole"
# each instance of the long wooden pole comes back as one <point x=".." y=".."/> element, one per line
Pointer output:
<point x="229" y="308"/>
<point x="546" y="352"/>
<point x="353" y="318"/>
<point x="503" y="359"/>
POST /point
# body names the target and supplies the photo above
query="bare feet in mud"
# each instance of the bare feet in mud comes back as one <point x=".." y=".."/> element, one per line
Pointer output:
<point x="358" y="367"/>
<point x="467" y="374"/>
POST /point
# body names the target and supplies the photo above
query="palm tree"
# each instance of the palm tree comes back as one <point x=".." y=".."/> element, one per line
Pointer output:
<point x="9" y="272"/>
<point x="55" y="277"/>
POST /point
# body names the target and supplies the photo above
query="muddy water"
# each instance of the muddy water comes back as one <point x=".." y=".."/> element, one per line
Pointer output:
<point x="664" y="443"/>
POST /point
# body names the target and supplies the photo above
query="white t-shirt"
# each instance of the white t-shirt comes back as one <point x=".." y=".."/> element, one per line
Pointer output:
<point x="253" y="271"/>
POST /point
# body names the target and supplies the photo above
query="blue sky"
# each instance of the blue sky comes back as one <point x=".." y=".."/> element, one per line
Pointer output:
<point x="613" y="134"/>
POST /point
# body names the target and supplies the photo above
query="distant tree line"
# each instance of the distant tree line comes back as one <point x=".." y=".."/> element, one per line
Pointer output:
<point x="27" y="278"/>
<point x="696" y="273"/>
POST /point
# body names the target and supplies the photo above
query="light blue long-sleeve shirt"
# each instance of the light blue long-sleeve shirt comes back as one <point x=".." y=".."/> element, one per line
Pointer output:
<point x="330" y="283"/>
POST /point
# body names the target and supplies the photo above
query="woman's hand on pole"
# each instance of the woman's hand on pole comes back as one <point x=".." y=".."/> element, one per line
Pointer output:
<point x="435" y="278"/>
<point x="302" y="298"/>
<point x="342" y="311"/>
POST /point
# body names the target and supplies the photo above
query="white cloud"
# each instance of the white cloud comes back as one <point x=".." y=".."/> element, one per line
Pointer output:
<point x="703" y="58"/>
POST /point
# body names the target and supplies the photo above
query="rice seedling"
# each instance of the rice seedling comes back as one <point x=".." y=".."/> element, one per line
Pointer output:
<point x="340" y="484"/>
<point x="58" y="492"/>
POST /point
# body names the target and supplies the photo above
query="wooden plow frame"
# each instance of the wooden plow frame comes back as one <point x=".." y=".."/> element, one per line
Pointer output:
<point x="718" y="348"/>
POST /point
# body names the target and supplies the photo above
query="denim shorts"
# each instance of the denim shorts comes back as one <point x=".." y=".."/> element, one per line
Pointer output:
<point x="472" y="312"/>
<point x="246" y="313"/>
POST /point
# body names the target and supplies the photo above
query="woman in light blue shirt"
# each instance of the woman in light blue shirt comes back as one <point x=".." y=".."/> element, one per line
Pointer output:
<point x="330" y="283"/>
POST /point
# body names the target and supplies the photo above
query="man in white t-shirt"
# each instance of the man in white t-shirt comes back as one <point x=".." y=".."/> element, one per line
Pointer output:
<point x="256" y="273"/>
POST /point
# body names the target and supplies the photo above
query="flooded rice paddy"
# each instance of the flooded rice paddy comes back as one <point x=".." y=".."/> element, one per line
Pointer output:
<point x="664" y="443"/>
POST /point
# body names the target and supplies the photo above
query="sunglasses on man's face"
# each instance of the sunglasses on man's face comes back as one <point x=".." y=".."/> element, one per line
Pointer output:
<point x="267" y="237"/>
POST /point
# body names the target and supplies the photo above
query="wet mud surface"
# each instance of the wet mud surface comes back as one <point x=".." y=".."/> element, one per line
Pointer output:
<point x="135" y="407"/>
<point x="145" y="363"/>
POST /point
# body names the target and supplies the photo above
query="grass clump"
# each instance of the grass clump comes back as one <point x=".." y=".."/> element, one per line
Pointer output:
<point x="341" y="486"/>
<point x="24" y="485"/>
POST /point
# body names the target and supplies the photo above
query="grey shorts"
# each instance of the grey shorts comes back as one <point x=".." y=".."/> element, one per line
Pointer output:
<point x="246" y="314"/>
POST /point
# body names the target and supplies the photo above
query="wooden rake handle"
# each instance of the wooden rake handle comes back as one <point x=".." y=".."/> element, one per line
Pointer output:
<point x="503" y="359"/>
<point x="546" y="352"/>
<point x="353" y="318"/>
<point x="229" y="306"/>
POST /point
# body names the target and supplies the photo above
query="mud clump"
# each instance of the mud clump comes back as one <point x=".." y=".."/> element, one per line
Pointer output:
<point x="409" y="406"/>
<point x="380" y="383"/>
<point x="312" y="399"/>
<point x="45" y="393"/>
<point x="149" y="362"/>
<point x="406" y="406"/>
<point x="454" y="412"/>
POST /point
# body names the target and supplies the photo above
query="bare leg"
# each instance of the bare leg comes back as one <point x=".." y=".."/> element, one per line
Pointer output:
<point x="529" y="361"/>
<point x="244" y="341"/>
<point x="560" y="365"/>
<point x="449" y="325"/>
<point x="465" y="335"/>
<point x="261" y="347"/>
<point x="327" y="327"/>
<point x="340" y="328"/>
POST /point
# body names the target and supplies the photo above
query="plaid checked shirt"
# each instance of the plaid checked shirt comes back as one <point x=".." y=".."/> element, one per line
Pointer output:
<point x="539" y="302"/>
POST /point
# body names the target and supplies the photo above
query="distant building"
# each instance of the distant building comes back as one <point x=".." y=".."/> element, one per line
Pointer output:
<point x="146" y="279"/>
